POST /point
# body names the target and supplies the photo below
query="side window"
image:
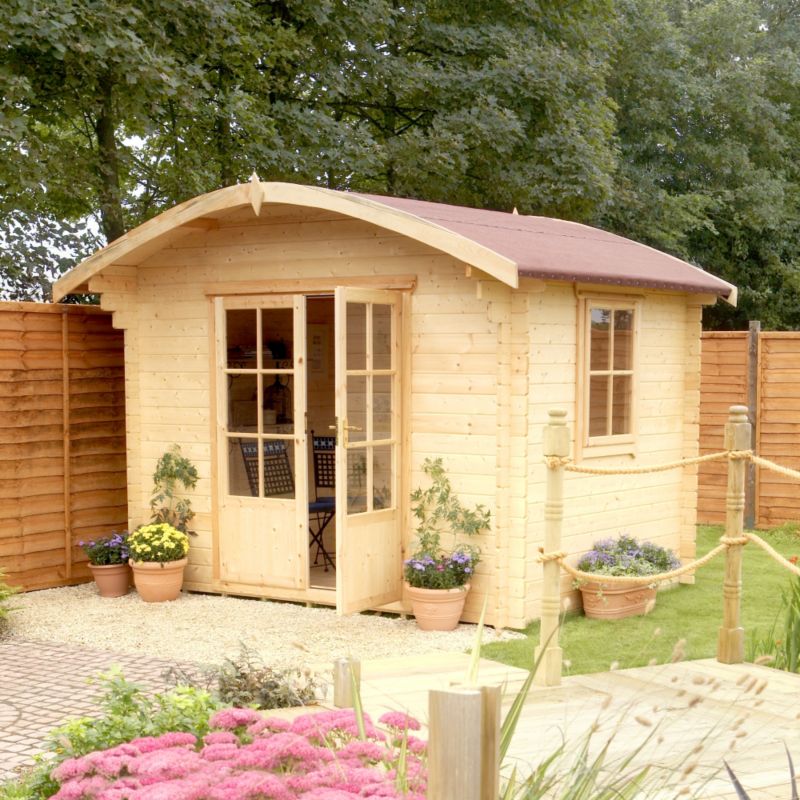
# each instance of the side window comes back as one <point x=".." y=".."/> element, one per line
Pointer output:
<point x="609" y="379"/>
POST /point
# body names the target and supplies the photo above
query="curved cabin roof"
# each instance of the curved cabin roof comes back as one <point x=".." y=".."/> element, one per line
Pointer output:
<point x="506" y="246"/>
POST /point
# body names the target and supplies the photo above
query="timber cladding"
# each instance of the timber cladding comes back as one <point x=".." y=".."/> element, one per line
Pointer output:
<point x="760" y="370"/>
<point x="62" y="439"/>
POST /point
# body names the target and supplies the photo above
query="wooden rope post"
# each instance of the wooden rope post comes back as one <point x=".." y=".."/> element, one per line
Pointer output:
<point x="464" y="744"/>
<point x="556" y="444"/>
<point x="730" y="646"/>
<point x="344" y="670"/>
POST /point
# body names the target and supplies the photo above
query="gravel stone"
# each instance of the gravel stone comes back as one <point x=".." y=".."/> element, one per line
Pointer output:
<point x="205" y="629"/>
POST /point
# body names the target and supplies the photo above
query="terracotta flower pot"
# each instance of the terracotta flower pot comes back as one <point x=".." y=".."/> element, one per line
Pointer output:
<point x="113" y="580"/>
<point x="156" y="581"/>
<point x="616" y="600"/>
<point x="437" y="609"/>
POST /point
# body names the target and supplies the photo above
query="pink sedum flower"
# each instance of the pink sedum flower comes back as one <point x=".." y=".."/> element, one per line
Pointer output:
<point x="399" y="720"/>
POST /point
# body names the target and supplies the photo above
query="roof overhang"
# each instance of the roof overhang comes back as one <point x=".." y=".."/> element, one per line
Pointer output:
<point x="136" y="245"/>
<point x="503" y="246"/>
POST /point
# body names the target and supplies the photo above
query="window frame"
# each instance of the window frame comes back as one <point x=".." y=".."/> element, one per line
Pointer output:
<point x="611" y="444"/>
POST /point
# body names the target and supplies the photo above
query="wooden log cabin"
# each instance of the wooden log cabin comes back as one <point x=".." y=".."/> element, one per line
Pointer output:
<point x="395" y="330"/>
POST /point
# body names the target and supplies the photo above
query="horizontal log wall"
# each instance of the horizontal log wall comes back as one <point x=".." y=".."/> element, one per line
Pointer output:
<point x="770" y="382"/>
<point x="62" y="439"/>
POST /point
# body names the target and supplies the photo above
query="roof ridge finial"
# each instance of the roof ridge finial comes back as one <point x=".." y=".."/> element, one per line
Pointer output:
<point x="256" y="193"/>
<point x="513" y="212"/>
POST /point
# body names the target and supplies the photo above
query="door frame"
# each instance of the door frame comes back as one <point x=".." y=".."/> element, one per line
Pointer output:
<point x="404" y="286"/>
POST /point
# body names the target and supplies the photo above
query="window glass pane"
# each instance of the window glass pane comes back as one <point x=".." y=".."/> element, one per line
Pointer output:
<point x="382" y="406"/>
<point x="278" y="403"/>
<point x="356" y="481"/>
<point x="356" y="336"/>
<point x="381" y="337"/>
<point x="243" y="467"/>
<point x="240" y="332"/>
<point x="599" y="344"/>
<point x="277" y="336"/>
<point x="278" y="468"/>
<point x="621" y="405"/>
<point x="623" y="339"/>
<point x="382" y="477"/>
<point x="598" y="405"/>
<point x="243" y="403"/>
<point x="357" y="407"/>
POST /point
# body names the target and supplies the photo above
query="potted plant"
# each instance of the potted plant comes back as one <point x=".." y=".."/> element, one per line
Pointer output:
<point x="157" y="558"/>
<point x="108" y="561"/>
<point x="620" y="557"/>
<point x="172" y="469"/>
<point x="438" y="577"/>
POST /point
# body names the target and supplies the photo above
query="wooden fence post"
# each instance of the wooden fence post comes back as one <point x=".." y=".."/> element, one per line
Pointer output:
<point x="344" y="670"/>
<point x="750" y="501"/>
<point x="464" y="744"/>
<point x="556" y="444"/>
<point x="730" y="647"/>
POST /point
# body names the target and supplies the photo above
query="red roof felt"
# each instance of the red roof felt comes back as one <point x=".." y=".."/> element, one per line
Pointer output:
<point x="554" y="248"/>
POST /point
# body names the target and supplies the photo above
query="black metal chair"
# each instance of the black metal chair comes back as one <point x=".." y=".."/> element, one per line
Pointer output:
<point x="322" y="509"/>
<point x="278" y="477"/>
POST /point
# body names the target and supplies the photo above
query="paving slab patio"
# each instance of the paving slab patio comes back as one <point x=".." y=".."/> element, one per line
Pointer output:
<point x="42" y="685"/>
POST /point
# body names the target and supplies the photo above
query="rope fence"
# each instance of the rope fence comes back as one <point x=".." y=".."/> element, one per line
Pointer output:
<point x="730" y="648"/>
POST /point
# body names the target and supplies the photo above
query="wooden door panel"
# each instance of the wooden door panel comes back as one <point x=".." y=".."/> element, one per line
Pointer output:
<point x="262" y="541"/>
<point x="368" y="541"/>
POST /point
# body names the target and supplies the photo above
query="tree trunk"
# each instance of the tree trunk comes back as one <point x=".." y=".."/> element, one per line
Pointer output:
<point x="111" y="217"/>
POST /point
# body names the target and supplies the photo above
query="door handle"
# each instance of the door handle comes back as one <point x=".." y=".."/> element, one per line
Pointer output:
<point x="352" y="428"/>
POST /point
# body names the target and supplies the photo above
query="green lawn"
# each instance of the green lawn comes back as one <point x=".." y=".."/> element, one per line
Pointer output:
<point x="693" y="613"/>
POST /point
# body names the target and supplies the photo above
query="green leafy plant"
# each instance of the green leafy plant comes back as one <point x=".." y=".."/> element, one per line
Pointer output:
<point x="245" y="681"/>
<point x="780" y="646"/>
<point x="6" y="592"/>
<point x="627" y="556"/>
<point x="126" y="712"/>
<point x="107" y="550"/>
<point x="173" y="471"/>
<point x="438" y="511"/>
<point x="158" y="543"/>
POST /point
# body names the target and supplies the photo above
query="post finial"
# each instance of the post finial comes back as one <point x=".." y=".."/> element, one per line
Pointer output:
<point x="256" y="193"/>
<point x="738" y="414"/>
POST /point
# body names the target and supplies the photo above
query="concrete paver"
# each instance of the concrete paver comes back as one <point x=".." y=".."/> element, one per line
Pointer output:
<point x="42" y="685"/>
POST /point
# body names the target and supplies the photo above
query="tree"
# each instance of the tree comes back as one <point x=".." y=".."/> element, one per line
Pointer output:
<point x="122" y="108"/>
<point x="707" y="123"/>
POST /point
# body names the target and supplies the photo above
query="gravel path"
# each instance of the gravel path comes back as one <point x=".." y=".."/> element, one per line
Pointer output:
<point x="206" y="628"/>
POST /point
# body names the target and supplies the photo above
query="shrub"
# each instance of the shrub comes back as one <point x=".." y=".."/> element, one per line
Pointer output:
<point x="247" y="681"/>
<point x="6" y="592"/>
<point x="127" y="713"/>
<point x="172" y="469"/>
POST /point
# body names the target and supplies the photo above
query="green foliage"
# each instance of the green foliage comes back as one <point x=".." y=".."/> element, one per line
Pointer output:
<point x="707" y="122"/>
<point x="438" y="511"/>
<point x="627" y="556"/>
<point x="125" y="108"/>
<point x="127" y="713"/>
<point x="173" y="472"/>
<point x="246" y="681"/>
<point x="6" y="592"/>
<point x="106" y="550"/>
<point x="780" y="645"/>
